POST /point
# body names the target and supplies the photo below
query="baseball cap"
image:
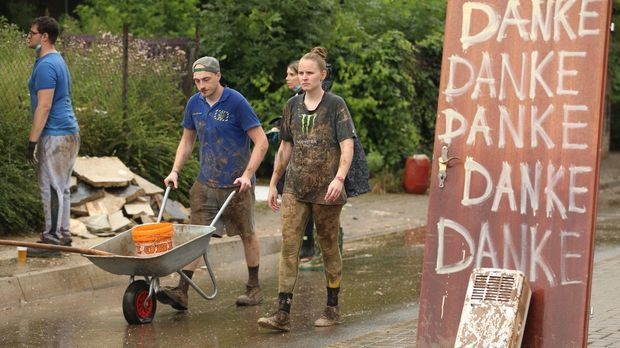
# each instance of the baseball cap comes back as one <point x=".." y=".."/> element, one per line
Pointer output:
<point x="210" y="64"/>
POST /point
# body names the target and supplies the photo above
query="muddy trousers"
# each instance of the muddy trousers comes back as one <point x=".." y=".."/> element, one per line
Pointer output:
<point x="295" y="215"/>
<point x="56" y="155"/>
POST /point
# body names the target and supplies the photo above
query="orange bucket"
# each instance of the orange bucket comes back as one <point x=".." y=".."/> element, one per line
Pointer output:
<point x="152" y="239"/>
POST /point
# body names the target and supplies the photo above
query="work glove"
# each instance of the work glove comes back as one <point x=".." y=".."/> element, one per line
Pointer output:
<point x="31" y="153"/>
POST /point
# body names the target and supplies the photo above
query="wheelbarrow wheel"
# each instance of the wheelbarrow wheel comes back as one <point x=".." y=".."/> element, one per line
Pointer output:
<point x="134" y="308"/>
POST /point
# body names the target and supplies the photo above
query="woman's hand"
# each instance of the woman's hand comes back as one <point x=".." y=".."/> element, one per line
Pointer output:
<point x="334" y="190"/>
<point x="272" y="198"/>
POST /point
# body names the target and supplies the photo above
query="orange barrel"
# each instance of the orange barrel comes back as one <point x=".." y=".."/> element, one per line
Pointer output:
<point x="152" y="239"/>
<point x="417" y="174"/>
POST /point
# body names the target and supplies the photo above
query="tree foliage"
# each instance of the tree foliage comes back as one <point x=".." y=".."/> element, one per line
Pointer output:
<point x="377" y="68"/>
<point x="386" y="56"/>
<point x="146" y="18"/>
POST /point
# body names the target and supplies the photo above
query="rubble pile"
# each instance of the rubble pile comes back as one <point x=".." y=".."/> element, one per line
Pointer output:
<point x="108" y="198"/>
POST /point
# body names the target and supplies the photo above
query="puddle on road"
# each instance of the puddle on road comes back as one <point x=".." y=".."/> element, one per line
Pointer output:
<point x="381" y="277"/>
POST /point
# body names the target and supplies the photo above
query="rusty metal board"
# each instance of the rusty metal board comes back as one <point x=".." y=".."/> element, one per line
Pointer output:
<point x="516" y="158"/>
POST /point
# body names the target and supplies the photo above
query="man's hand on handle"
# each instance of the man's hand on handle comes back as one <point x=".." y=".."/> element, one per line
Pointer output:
<point x="173" y="178"/>
<point x="244" y="183"/>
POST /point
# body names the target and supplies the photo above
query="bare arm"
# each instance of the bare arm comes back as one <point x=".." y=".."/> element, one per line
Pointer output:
<point x="44" y="105"/>
<point x="279" y="167"/>
<point x="337" y="185"/>
<point x="184" y="150"/>
<point x="258" y="153"/>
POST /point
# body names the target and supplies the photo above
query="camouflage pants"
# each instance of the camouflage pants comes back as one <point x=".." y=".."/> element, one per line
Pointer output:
<point x="295" y="214"/>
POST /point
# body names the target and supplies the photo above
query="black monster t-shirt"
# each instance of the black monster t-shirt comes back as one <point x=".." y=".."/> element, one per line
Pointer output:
<point x="316" y="137"/>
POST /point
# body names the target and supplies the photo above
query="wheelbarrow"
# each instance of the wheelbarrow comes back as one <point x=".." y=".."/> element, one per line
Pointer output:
<point x="140" y="298"/>
<point x="118" y="255"/>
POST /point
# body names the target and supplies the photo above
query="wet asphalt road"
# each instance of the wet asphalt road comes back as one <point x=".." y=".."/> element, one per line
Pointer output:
<point x="380" y="288"/>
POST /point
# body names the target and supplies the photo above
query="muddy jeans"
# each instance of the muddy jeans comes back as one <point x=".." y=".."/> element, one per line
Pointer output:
<point x="56" y="155"/>
<point x="295" y="215"/>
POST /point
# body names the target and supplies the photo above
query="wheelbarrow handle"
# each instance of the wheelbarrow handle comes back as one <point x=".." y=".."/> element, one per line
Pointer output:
<point x="163" y="202"/>
<point x="66" y="249"/>
<point x="221" y="211"/>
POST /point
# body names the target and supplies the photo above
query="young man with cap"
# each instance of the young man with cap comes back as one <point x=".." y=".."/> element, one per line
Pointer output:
<point x="54" y="138"/>
<point x="224" y="123"/>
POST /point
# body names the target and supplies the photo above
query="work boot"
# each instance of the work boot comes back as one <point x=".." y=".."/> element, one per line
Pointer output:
<point x="175" y="297"/>
<point x="253" y="296"/>
<point x="278" y="321"/>
<point x="330" y="317"/>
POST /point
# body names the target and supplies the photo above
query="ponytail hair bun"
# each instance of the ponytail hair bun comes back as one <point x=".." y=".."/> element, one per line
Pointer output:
<point x="319" y="55"/>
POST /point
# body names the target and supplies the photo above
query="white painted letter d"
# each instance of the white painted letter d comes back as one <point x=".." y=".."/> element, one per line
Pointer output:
<point x="489" y="30"/>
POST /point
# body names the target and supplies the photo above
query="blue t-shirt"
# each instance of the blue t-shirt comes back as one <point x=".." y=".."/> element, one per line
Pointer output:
<point x="50" y="72"/>
<point x="222" y="132"/>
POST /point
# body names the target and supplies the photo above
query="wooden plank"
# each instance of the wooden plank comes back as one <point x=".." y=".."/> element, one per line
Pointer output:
<point x="520" y="109"/>
<point x="102" y="171"/>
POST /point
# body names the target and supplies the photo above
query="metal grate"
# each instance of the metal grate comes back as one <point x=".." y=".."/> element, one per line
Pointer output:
<point x="493" y="287"/>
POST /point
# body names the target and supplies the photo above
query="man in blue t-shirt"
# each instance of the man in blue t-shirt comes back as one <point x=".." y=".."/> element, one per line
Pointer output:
<point x="54" y="139"/>
<point x="225" y="124"/>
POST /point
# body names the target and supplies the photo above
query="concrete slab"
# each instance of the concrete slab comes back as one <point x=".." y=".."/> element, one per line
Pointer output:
<point x="79" y="210"/>
<point x="148" y="187"/>
<point x="103" y="171"/>
<point x="85" y="193"/>
<point x="134" y="209"/>
<point x="107" y="205"/>
<point x="97" y="223"/>
<point x="175" y="211"/>
<point x="118" y="221"/>
<point x="130" y="193"/>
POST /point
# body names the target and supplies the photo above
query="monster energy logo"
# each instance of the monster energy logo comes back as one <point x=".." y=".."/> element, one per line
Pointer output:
<point x="307" y="123"/>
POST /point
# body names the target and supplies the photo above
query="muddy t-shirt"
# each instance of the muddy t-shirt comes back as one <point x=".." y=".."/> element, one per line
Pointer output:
<point x="316" y="137"/>
<point x="222" y="132"/>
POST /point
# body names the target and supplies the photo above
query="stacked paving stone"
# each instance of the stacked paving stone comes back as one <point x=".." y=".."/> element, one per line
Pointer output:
<point x="108" y="198"/>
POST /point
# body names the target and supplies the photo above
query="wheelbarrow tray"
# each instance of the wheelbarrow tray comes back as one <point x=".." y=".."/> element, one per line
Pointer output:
<point x="190" y="242"/>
